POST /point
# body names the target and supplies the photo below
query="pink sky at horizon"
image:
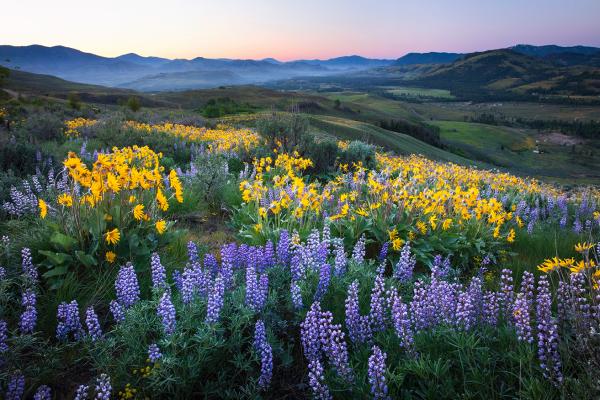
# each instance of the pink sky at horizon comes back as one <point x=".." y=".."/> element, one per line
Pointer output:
<point x="289" y="30"/>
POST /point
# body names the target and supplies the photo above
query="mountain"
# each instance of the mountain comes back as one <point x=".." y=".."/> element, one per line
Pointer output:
<point x="138" y="72"/>
<point x="67" y="63"/>
<point x="511" y="75"/>
<point x="544" y="51"/>
<point x="140" y="60"/>
<point x="427" y="58"/>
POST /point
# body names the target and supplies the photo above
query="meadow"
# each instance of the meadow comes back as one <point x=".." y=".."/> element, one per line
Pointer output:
<point x="156" y="253"/>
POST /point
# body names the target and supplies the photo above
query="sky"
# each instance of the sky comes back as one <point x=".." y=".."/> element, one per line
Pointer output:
<point x="295" y="29"/>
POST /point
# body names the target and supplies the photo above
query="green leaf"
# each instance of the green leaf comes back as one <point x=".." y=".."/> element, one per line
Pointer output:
<point x="56" y="271"/>
<point x="86" y="259"/>
<point x="62" y="241"/>
<point x="56" y="258"/>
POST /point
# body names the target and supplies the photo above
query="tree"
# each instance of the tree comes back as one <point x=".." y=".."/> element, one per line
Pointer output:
<point x="337" y="104"/>
<point x="74" y="101"/>
<point x="3" y="75"/>
<point x="134" y="103"/>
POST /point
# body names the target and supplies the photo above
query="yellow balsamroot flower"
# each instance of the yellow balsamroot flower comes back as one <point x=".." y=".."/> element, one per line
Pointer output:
<point x="596" y="279"/>
<point x="131" y="199"/>
<point x="583" y="247"/>
<point x="262" y="212"/>
<point x="161" y="226"/>
<point x="65" y="199"/>
<point x="176" y="185"/>
<point x="138" y="212"/>
<point x="112" y="237"/>
<point x="433" y="221"/>
<point x="511" y="236"/>
<point x="446" y="224"/>
<point x="110" y="256"/>
<point x="43" y="208"/>
<point x="257" y="228"/>
<point x="397" y="244"/>
<point x="163" y="204"/>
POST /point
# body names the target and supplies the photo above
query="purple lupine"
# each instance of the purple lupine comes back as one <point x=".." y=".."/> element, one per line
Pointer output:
<point x="251" y="287"/>
<point x="341" y="260"/>
<point x="522" y="318"/>
<point x="269" y="255"/>
<point x="506" y="294"/>
<point x="29" y="316"/>
<point x="159" y="275"/>
<point x="177" y="280"/>
<point x="68" y="321"/>
<point x="263" y="348"/>
<point x="215" y="301"/>
<point x="296" y="295"/>
<point x="384" y="251"/>
<point x="154" y="353"/>
<point x="490" y="308"/>
<point x="29" y="270"/>
<point x="2" y="273"/>
<point x="117" y="310"/>
<point x="316" y="380"/>
<point x="228" y="255"/>
<point x="92" y="323"/>
<point x="358" y="327"/>
<point x="195" y="281"/>
<point x="376" y="372"/>
<point x="359" y="251"/>
<point x="547" y="334"/>
<point x="377" y="311"/>
<point x="469" y="304"/>
<point x="16" y="387"/>
<point x="3" y="337"/>
<point x="283" y="248"/>
<point x="406" y="265"/>
<point x="581" y="305"/>
<point x="402" y="323"/>
<point x="440" y="268"/>
<point x="297" y="264"/>
<point x="103" y="387"/>
<point x="192" y="252"/>
<point x="324" y="279"/>
<point x="126" y="286"/>
<point x="43" y="393"/>
<point x="320" y="336"/>
<point x="82" y="392"/>
<point x="262" y="292"/>
<point x="166" y="311"/>
<point x="210" y="264"/>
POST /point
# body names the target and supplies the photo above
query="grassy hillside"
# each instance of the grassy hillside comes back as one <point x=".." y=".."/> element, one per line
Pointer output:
<point x="550" y="156"/>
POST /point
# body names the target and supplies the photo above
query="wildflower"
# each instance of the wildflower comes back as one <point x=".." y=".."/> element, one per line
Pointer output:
<point x="324" y="279"/>
<point x="43" y="208"/>
<point x="511" y="236"/>
<point x="138" y="212"/>
<point x="358" y="253"/>
<point x="159" y="275"/>
<point x="263" y="348"/>
<point x="113" y="236"/>
<point x="163" y="204"/>
<point x="43" y="393"/>
<point x="82" y="392"/>
<point x="166" y="311"/>
<point x="376" y="374"/>
<point x="3" y="336"/>
<point x="215" y="301"/>
<point x="583" y="247"/>
<point x="103" y="387"/>
<point x="547" y="336"/>
<point x="68" y="321"/>
<point x="154" y="353"/>
<point x="296" y="295"/>
<point x="316" y="380"/>
<point x="29" y="269"/>
<point x="29" y="316"/>
<point x="16" y="387"/>
<point x="406" y="264"/>
<point x="110" y="256"/>
<point x="66" y="200"/>
<point x="117" y="311"/>
<point x="93" y="326"/>
<point x="358" y="327"/>
<point x="401" y="321"/>
<point x="376" y="315"/>
<point x="126" y="286"/>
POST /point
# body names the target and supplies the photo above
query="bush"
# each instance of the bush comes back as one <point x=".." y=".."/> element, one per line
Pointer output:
<point x="43" y="126"/>
<point x="284" y="131"/>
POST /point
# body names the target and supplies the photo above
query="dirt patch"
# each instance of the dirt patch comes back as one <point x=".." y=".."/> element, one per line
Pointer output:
<point x="559" y="139"/>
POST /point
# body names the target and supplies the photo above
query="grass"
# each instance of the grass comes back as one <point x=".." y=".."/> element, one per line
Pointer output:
<point x="400" y="143"/>
<point x="513" y="149"/>
<point x="420" y="92"/>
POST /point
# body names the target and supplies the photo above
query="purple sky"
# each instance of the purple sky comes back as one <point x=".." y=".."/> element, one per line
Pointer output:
<point x="292" y="29"/>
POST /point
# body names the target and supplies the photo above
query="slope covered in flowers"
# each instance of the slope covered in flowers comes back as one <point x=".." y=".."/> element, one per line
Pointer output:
<point x="383" y="277"/>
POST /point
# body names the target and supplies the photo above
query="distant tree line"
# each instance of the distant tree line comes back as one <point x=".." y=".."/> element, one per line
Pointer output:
<point x="426" y="133"/>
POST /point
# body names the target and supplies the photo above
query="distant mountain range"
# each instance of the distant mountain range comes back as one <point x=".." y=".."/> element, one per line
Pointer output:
<point x="133" y="71"/>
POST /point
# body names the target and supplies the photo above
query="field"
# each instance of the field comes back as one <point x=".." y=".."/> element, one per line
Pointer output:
<point x="414" y="92"/>
<point x="521" y="150"/>
<point x="298" y="246"/>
